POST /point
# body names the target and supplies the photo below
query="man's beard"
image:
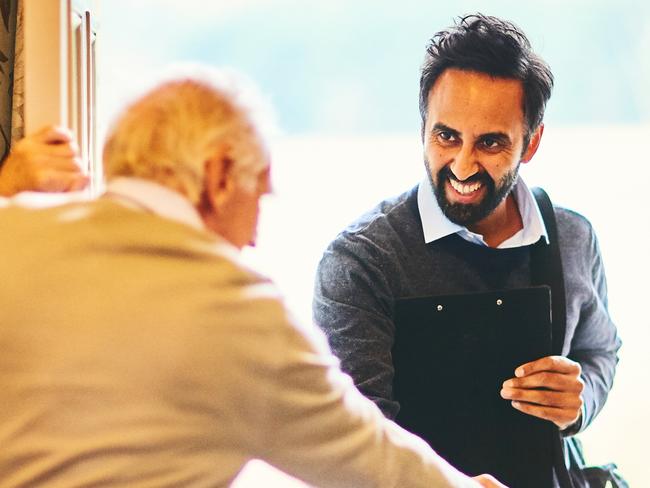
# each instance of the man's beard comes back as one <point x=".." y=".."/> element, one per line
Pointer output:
<point x="467" y="214"/>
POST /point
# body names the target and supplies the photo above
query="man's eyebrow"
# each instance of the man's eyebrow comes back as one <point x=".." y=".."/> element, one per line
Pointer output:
<point x="440" y="127"/>
<point x="500" y="136"/>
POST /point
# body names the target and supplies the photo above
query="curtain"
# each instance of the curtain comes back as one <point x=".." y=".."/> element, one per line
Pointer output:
<point x="18" y="101"/>
<point x="8" y="11"/>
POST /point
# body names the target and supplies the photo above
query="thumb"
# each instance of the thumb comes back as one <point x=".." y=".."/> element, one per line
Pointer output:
<point x="54" y="135"/>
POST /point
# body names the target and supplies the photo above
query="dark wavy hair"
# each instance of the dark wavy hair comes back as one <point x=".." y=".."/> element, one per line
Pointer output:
<point x="495" y="47"/>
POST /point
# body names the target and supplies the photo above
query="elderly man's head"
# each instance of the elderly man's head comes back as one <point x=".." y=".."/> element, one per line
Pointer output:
<point x="197" y="134"/>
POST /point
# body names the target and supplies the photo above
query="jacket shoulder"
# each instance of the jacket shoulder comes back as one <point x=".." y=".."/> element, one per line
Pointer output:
<point x="390" y="220"/>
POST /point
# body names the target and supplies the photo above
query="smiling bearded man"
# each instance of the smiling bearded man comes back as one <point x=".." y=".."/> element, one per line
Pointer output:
<point x="403" y="292"/>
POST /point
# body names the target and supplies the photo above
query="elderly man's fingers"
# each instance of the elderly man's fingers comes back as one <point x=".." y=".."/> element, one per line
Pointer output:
<point x="558" y="364"/>
<point x="40" y="163"/>
<point x="59" y="181"/>
<point x="67" y="149"/>
<point x="44" y="159"/>
<point x="65" y="163"/>
<point x="53" y="134"/>
<point x="31" y="149"/>
<point x="79" y="183"/>
<point x="488" y="481"/>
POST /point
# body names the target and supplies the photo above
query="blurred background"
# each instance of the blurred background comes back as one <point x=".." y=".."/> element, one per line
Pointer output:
<point x="343" y="79"/>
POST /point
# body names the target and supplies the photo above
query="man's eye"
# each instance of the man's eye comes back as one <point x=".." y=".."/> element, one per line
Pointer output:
<point x="446" y="136"/>
<point x="490" y="143"/>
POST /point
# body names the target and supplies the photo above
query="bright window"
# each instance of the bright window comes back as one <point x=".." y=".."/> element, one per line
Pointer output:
<point x="343" y="77"/>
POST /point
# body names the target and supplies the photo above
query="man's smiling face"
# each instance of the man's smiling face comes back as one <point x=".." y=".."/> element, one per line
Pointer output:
<point x="474" y="142"/>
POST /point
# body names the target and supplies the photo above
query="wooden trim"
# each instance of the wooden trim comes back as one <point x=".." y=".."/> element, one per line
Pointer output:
<point x="60" y="77"/>
<point x="46" y="63"/>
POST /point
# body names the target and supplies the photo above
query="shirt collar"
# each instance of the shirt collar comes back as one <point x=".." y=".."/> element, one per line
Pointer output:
<point x="154" y="198"/>
<point x="436" y="225"/>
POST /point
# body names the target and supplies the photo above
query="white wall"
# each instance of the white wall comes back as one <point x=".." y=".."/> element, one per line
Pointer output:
<point x="323" y="183"/>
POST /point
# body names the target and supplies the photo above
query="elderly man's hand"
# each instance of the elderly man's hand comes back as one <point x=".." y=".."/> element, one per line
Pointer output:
<point x="47" y="160"/>
<point x="488" y="481"/>
<point x="549" y="388"/>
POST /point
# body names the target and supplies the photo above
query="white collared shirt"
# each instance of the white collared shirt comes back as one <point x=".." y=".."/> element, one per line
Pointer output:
<point x="154" y="198"/>
<point x="436" y="225"/>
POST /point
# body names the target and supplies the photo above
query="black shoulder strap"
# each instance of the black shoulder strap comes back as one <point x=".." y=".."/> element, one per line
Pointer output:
<point x="546" y="267"/>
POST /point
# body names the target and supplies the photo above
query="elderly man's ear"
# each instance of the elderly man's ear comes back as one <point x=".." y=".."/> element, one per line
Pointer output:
<point x="219" y="183"/>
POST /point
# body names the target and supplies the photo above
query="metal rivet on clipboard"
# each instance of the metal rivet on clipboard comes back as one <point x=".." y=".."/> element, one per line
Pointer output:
<point x="439" y="308"/>
<point x="499" y="302"/>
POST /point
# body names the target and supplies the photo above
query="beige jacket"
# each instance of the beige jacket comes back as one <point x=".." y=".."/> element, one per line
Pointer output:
<point x="137" y="351"/>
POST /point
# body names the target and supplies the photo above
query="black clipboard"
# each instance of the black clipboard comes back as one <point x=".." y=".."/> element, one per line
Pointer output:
<point x="451" y="355"/>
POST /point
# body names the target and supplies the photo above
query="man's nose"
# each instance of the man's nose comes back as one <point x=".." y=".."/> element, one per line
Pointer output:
<point x="464" y="164"/>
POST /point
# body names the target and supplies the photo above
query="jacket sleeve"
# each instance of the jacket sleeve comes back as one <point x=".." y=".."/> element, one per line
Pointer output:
<point x="353" y="305"/>
<point x="319" y="428"/>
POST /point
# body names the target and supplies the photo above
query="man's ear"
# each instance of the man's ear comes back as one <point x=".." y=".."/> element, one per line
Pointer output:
<point x="218" y="180"/>
<point x="533" y="145"/>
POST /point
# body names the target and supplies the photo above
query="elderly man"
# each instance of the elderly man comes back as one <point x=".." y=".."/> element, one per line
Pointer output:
<point x="137" y="350"/>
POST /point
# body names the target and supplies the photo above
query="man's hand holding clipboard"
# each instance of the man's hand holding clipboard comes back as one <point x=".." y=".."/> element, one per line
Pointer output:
<point x="549" y="388"/>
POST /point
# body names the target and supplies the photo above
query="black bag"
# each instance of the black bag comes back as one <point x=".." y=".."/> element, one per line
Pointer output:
<point x="548" y="270"/>
<point x="605" y="476"/>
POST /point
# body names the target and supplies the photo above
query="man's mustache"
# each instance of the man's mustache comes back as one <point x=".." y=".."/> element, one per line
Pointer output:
<point x="480" y="177"/>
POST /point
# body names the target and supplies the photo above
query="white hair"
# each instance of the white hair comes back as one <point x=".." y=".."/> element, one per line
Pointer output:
<point x="167" y="134"/>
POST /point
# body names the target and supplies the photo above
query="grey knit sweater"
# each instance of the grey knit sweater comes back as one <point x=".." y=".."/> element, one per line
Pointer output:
<point x="382" y="257"/>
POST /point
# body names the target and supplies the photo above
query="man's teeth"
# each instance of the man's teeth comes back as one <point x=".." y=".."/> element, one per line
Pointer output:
<point x="464" y="188"/>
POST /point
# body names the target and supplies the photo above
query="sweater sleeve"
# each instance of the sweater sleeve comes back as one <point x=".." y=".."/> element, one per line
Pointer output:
<point x="595" y="342"/>
<point x="353" y="305"/>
